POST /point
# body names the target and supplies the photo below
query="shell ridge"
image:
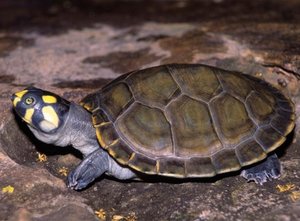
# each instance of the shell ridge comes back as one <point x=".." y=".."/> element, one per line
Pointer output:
<point x="171" y="133"/>
<point x="253" y="160"/>
<point x="274" y="145"/>
<point x="169" y="68"/>
<point x="216" y="125"/>
<point x="218" y="73"/>
<point x="249" y="111"/>
<point x="123" y="138"/>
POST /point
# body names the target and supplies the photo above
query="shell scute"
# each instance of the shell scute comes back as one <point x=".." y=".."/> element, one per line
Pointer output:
<point x="143" y="164"/>
<point x="121" y="152"/>
<point x="259" y="108"/>
<point x="171" y="167"/>
<point x="269" y="138"/>
<point x="235" y="84"/>
<point x="146" y="129"/>
<point x="200" y="167"/>
<point x="226" y="161"/>
<point x="249" y="151"/>
<point x="231" y="119"/>
<point x="153" y="86"/>
<point x="190" y="117"/>
<point x="116" y="99"/>
<point x="106" y="134"/>
<point x="196" y="81"/>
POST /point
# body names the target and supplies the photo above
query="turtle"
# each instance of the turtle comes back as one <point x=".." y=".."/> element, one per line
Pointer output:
<point x="176" y="120"/>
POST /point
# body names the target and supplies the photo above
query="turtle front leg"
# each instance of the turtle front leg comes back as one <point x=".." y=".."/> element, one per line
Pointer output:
<point x="93" y="166"/>
<point x="266" y="170"/>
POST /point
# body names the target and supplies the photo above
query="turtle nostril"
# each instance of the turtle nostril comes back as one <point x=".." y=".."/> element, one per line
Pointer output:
<point x="12" y="97"/>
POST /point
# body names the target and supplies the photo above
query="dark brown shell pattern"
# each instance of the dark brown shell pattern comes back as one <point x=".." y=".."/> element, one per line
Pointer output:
<point x="189" y="120"/>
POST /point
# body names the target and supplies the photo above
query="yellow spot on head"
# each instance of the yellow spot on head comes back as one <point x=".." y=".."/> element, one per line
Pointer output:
<point x="51" y="120"/>
<point x="18" y="97"/>
<point x="8" y="189"/>
<point x="16" y="101"/>
<point x="49" y="99"/>
<point x="28" y="115"/>
<point x="47" y="126"/>
<point x="50" y="116"/>
<point x="21" y="93"/>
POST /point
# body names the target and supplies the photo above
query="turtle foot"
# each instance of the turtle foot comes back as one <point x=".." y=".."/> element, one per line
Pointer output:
<point x="267" y="170"/>
<point x="93" y="166"/>
<point x="76" y="182"/>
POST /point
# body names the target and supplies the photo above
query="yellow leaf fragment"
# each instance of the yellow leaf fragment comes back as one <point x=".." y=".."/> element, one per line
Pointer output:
<point x="295" y="196"/>
<point x="286" y="187"/>
<point x="258" y="74"/>
<point x="117" y="218"/>
<point x="131" y="217"/>
<point x="101" y="214"/>
<point x="8" y="189"/>
<point x="63" y="171"/>
<point x="41" y="157"/>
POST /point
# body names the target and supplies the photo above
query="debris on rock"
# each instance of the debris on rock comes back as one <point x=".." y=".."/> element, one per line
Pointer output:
<point x="41" y="157"/>
<point x="101" y="214"/>
<point x="285" y="187"/>
<point x="63" y="171"/>
<point x="8" y="189"/>
<point x="295" y="196"/>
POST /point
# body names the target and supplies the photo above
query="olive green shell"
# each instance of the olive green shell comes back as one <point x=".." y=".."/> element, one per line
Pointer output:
<point x="189" y="120"/>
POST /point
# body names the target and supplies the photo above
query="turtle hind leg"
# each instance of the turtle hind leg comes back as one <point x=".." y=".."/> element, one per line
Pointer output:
<point x="93" y="166"/>
<point x="268" y="169"/>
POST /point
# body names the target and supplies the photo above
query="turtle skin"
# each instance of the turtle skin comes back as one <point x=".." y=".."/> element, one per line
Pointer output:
<point x="189" y="120"/>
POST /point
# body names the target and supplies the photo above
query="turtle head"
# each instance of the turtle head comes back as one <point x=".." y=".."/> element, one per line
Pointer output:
<point x="42" y="110"/>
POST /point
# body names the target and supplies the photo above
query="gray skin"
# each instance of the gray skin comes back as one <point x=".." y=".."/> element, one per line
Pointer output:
<point x="79" y="132"/>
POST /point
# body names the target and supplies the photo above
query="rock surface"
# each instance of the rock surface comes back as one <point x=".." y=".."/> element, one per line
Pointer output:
<point x="74" y="47"/>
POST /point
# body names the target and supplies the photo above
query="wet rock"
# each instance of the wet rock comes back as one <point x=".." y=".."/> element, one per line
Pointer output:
<point x="70" y="212"/>
<point x="9" y="43"/>
<point x="37" y="191"/>
<point x="186" y="47"/>
<point x="90" y="84"/>
<point x="123" y="62"/>
<point x="6" y="78"/>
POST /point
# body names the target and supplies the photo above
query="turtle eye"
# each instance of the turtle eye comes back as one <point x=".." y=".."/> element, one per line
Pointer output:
<point x="29" y="100"/>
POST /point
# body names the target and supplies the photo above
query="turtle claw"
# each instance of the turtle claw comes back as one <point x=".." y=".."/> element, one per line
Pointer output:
<point x="77" y="182"/>
<point x="259" y="178"/>
<point x="268" y="170"/>
<point x="93" y="166"/>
